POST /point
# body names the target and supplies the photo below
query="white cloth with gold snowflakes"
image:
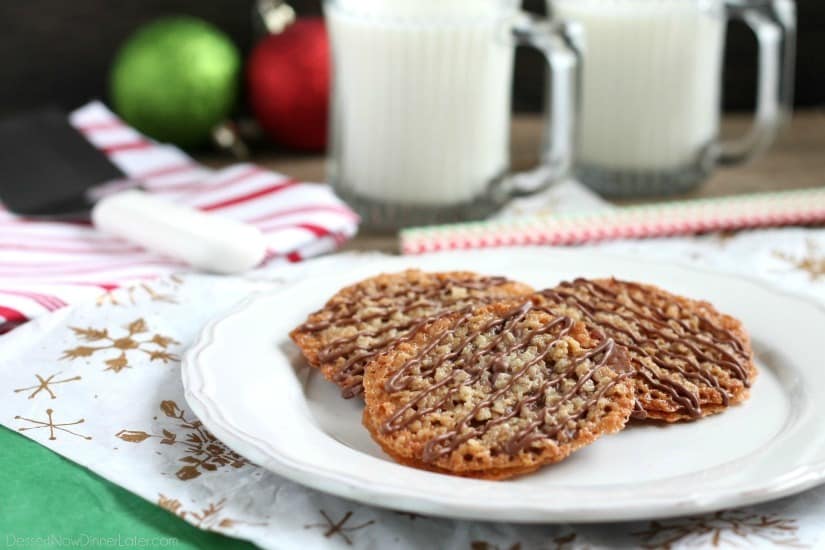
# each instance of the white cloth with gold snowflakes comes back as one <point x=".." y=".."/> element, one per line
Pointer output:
<point x="99" y="383"/>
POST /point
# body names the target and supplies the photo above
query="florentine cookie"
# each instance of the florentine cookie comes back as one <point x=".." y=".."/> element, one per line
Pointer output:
<point x="365" y="319"/>
<point x="690" y="359"/>
<point x="496" y="390"/>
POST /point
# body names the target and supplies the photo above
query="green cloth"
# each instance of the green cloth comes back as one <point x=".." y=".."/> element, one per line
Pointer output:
<point x="44" y="495"/>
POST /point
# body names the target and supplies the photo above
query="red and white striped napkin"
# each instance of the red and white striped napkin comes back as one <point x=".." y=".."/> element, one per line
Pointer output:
<point x="46" y="265"/>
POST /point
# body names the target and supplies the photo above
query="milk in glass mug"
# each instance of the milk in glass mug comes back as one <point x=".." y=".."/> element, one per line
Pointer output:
<point x="421" y="106"/>
<point x="652" y="85"/>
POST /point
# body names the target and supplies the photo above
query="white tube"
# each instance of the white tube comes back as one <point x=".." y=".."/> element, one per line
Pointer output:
<point x="205" y="241"/>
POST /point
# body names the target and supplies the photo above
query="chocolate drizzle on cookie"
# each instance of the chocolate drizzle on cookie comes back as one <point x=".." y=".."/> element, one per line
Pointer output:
<point x="424" y="303"/>
<point x="498" y="342"/>
<point x="690" y="351"/>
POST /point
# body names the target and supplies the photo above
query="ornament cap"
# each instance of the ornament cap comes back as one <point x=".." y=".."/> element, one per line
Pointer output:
<point x="227" y="137"/>
<point x="276" y="15"/>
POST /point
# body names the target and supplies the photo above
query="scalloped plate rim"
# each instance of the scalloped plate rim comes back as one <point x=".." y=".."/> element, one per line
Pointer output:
<point x="341" y="483"/>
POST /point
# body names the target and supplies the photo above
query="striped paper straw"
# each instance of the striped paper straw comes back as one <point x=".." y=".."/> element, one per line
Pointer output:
<point x="803" y="207"/>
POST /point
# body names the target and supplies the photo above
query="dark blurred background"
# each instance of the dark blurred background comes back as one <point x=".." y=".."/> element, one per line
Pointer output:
<point x="60" y="51"/>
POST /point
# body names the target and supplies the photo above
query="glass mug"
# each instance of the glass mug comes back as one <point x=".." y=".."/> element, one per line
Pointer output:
<point x="421" y="107"/>
<point x="651" y="89"/>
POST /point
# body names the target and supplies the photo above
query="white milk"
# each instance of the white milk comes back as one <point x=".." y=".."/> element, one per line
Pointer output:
<point x="651" y="80"/>
<point x="422" y="98"/>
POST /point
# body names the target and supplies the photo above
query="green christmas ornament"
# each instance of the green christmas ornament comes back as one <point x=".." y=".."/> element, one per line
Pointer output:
<point x="176" y="79"/>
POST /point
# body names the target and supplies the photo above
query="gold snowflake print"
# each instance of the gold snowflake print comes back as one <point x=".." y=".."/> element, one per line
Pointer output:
<point x="209" y="518"/>
<point x="136" y="339"/>
<point x="53" y="426"/>
<point x="339" y="528"/>
<point x="725" y="236"/>
<point x="735" y="528"/>
<point x="45" y="385"/>
<point x="203" y="452"/>
<point x="813" y="263"/>
<point x="133" y="294"/>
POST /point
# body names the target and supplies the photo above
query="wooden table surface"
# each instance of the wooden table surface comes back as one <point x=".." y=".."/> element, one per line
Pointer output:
<point x="796" y="161"/>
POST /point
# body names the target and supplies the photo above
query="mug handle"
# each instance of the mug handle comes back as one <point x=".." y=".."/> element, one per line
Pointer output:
<point x="560" y="44"/>
<point x="774" y="24"/>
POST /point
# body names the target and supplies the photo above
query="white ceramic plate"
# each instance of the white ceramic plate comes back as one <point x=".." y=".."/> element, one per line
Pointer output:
<point x="248" y="384"/>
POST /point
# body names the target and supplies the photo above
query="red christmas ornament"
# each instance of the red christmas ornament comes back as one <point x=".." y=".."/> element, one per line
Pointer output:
<point x="288" y="77"/>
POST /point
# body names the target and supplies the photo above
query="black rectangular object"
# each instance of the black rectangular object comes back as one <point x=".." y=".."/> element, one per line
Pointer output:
<point x="46" y="166"/>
